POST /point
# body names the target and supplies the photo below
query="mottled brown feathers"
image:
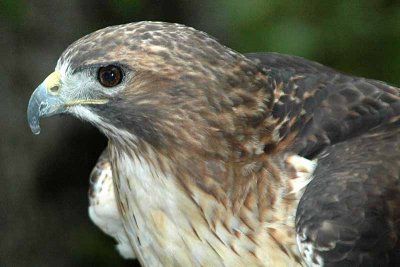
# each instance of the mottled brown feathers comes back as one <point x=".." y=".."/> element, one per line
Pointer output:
<point x="204" y="140"/>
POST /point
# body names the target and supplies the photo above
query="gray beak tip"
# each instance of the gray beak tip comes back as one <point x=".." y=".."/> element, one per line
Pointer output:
<point x="33" y="114"/>
<point x="35" y="129"/>
<point x="42" y="105"/>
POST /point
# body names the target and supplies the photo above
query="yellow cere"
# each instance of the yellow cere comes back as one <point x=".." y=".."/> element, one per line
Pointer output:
<point x="52" y="80"/>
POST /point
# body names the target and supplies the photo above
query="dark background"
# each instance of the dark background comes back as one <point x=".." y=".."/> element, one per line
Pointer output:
<point x="44" y="179"/>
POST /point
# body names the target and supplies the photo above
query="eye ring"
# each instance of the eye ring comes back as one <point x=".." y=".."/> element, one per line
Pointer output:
<point x="110" y="76"/>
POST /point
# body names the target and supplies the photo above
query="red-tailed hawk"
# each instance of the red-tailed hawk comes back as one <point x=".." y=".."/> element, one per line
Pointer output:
<point x="224" y="159"/>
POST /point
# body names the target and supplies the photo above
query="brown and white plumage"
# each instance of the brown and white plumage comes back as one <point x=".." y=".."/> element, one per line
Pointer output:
<point x="103" y="210"/>
<point x="211" y="150"/>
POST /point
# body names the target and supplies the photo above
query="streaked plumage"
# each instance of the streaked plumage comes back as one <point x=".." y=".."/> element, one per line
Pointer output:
<point x="103" y="210"/>
<point x="211" y="150"/>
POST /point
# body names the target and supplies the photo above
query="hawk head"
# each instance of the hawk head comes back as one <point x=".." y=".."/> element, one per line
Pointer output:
<point x="159" y="83"/>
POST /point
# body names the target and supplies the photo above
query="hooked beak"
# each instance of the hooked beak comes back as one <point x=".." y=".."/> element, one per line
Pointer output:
<point x="45" y="101"/>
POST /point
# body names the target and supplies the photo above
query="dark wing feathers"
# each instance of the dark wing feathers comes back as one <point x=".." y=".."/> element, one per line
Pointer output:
<point x="289" y="63"/>
<point x="348" y="107"/>
<point x="349" y="214"/>
<point x="340" y="105"/>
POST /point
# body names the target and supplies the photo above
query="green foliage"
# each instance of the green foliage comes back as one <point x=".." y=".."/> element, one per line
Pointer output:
<point x="94" y="248"/>
<point x="344" y="34"/>
<point x="13" y="11"/>
<point x="127" y="8"/>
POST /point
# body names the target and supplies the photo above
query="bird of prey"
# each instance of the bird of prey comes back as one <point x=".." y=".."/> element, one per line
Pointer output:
<point x="225" y="159"/>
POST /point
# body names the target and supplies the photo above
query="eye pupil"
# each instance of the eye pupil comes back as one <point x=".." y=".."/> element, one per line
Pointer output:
<point x="110" y="75"/>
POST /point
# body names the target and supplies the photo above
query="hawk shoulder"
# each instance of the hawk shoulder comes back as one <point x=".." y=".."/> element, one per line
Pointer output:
<point x="347" y="215"/>
<point x="326" y="106"/>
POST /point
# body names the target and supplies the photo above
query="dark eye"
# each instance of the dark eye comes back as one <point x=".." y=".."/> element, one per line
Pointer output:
<point x="110" y="75"/>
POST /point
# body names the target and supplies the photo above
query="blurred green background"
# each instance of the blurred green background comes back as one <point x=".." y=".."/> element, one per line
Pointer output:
<point x="44" y="179"/>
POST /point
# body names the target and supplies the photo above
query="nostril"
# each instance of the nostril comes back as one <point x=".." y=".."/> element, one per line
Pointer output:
<point x="54" y="89"/>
